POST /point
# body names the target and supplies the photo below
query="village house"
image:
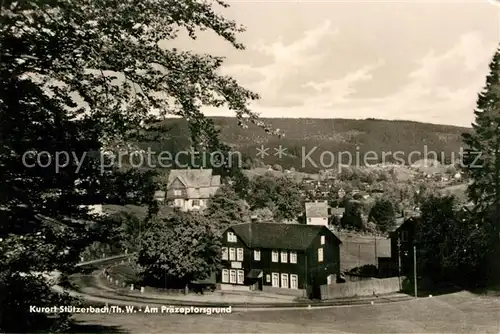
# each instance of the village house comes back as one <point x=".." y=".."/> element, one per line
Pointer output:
<point x="190" y="189"/>
<point x="402" y="242"/>
<point x="317" y="213"/>
<point x="293" y="259"/>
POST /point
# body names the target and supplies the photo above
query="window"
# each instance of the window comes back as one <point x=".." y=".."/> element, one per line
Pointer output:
<point x="284" y="257"/>
<point x="309" y="219"/>
<point x="224" y="253"/>
<point x="275" y="256"/>
<point x="178" y="202"/>
<point x="225" y="276"/>
<point x="276" y="280"/>
<point x="232" y="254"/>
<point x="320" y="254"/>
<point x="256" y="255"/>
<point x="196" y="202"/>
<point x="231" y="237"/>
<point x="241" y="276"/>
<point x="293" y="257"/>
<point x="232" y="276"/>
<point x="404" y="236"/>
<point x="201" y="202"/>
<point x="284" y="281"/>
<point x="197" y="189"/>
<point x="322" y="239"/>
<point x="177" y="192"/>
<point x="294" y="282"/>
<point x="239" y="254"/>
<point x="268" y="278"/>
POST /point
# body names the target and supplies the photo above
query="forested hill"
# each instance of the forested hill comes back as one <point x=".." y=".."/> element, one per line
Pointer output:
<point x="334" y="135"/>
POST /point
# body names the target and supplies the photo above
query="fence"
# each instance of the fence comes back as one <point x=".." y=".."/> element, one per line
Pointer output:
<point x="361" y="288"/>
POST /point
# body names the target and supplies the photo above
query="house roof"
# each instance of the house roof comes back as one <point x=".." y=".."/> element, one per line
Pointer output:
<point x="194" y="178"/>
<point x="279" y="236"/>
<point x="315" y="210"/>
<point x="337" y="211"/>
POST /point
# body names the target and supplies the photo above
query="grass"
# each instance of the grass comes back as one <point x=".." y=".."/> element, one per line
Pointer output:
<point x="456" y="313"/>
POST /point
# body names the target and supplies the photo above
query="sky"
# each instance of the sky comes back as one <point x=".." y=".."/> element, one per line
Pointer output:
<point x="413" y="60"/>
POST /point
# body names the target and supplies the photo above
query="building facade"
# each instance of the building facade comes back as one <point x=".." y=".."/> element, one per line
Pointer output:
<point x="190" y="189"/>
<point x="294" y="259"/>
<point x="317" y="213"/>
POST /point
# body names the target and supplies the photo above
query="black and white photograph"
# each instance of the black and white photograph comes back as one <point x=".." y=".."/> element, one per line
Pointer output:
<point x="250" y="166"/>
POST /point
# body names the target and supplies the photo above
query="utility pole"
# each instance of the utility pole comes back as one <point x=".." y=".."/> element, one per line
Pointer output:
<point x="376" y="255"/>
<point x="415" y="268"/>
<point x="399" y="262"/>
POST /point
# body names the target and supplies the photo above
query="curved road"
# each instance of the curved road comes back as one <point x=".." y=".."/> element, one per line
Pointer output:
<point x="96" y="293"/>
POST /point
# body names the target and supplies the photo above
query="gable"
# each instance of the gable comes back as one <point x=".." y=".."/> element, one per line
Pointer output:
<point x="177" y="184"/>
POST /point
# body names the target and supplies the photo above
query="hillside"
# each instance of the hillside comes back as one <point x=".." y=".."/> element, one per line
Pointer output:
<point x="332" y="135"/>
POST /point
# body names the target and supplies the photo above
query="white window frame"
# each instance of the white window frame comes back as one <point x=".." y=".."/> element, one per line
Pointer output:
<point x="178" y="202"/>
<point x="225" y="276"/>
<point x="232" y="254"/>
<point x="275" y="256"/>
<point x="231" y="237"/>
<point x="177" y="192"/>
<point x="256" y="254"/>
<point x="268" y="278"/>
<point x="196" y="202"/>
<point x="284" y="257"/>
<point x="239" y="254"/>
<point x="225" y="253"/>
<point x="293" y="257"/>
<point x="320" y="254"/>
<point x="240" y="276"/>
<point x="294" y="278"/>
<point x="275" y="280"/>
<point x="232" y="276"/>
<point x="284" y="278"/>
<point x="323" y="240"/>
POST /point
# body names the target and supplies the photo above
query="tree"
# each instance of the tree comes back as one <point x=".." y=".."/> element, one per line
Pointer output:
<point x="382" y="214"/>
<point x="482" y="148"/>
<point x="352" y="217"/>
<point x="178" y="249"/>
<point x="281" y="194"/>
<point x="226" y="208"/>
<point x="89" y="76"/>
<point x="451" y="244"/>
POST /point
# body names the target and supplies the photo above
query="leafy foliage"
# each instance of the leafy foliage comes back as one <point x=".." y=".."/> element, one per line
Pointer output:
<point x="382" y="213"/>
<point x="226" y="208"/>
<point x="453" y="246"/>
<point x="178" y="249"/>
<point x="352" y="218"/>
<point x="83" y="77"/>
<point x="281" y="195"/>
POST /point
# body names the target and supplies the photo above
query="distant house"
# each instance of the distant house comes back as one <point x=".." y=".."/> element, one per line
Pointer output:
<point x="317" y="213"/>
<point x="190" y="189"/>
<point x="402" y="242"/>
<point x="294" y="259"/>
<point x="341" y="193"/>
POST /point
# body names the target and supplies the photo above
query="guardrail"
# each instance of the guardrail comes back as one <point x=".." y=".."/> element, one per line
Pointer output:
<point x="111" y="258"/>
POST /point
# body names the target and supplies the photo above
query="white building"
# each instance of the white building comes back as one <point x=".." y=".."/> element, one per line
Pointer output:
<point x="317" y="213"/>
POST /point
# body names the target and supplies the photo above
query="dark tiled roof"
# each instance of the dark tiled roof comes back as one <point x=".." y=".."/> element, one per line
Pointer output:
<point x="314" y="210"/>
<point x="279" y="236"/>
<point x="194" y="177"/>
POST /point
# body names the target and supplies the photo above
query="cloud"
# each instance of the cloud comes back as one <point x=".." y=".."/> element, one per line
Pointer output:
<point x="279" y="82"/>
<point x="339" y="90"/>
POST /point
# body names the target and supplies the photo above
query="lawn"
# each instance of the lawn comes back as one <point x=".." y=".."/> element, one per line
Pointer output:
<point x="456" y="313"/>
